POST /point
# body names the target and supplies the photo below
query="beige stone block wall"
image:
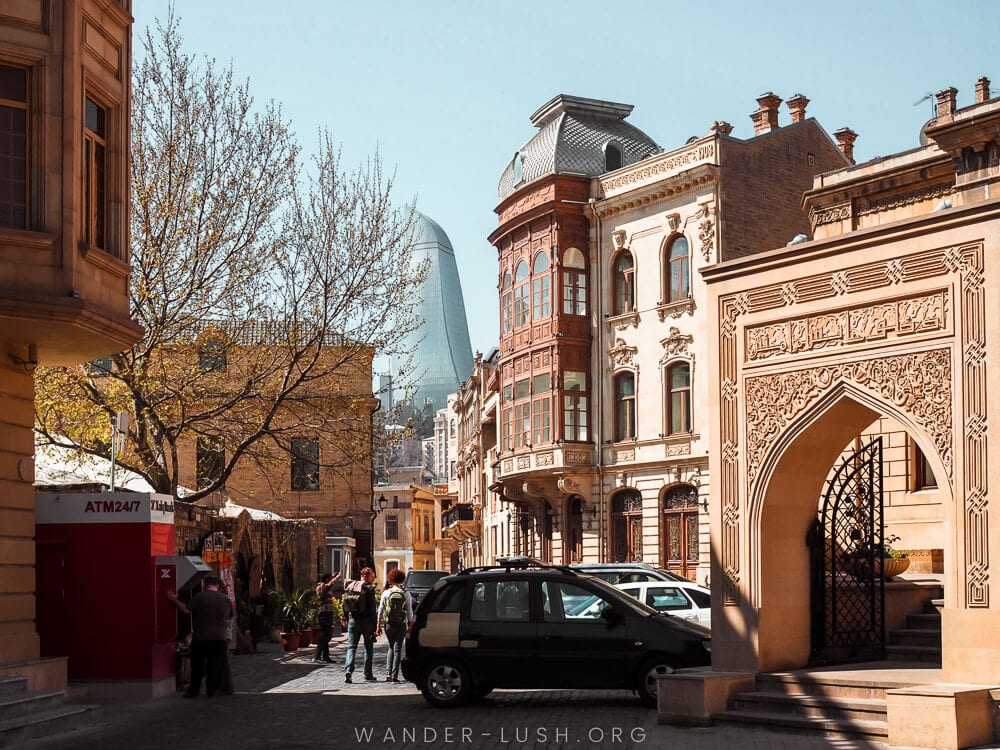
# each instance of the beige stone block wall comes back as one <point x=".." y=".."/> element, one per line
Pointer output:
<point x="18" y="640"/>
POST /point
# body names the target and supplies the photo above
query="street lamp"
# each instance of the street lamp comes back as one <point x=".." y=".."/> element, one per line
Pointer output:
<point x="378" y="505"/>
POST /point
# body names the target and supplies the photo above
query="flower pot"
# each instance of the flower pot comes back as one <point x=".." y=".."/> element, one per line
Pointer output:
<point x="290" y="640"/>
<point x="305" y="637"/>
<point x="893" y="566"/>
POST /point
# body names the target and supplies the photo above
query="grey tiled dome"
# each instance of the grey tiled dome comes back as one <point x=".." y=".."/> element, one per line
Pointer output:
<point x="572" y="135"/>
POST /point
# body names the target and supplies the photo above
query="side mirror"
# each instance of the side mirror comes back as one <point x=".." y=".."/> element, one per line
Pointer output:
<point x="611" y="616"/>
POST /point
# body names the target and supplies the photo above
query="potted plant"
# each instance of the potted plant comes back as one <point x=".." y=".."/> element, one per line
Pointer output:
<point x="291" y="609"/>
<point x="894" y="561"/>
<point x="877" y="560"/>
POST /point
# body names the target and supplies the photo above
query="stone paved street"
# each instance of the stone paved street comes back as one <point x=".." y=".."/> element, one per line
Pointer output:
<point x="287" y="702"/>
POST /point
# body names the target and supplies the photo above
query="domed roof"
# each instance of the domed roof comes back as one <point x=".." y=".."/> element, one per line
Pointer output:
<point x="572" y="136"/>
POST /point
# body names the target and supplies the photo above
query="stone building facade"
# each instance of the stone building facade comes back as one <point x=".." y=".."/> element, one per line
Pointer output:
<point x="603" y="428"/>
<point x="64" y="253"/>
<point x="886" y="319"/>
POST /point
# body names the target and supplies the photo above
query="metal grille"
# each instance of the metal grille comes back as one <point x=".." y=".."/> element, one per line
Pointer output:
<point x="846" y="542"/>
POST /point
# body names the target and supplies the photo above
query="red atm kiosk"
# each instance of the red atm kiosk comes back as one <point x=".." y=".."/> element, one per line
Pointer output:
<point x="103" y="562"/>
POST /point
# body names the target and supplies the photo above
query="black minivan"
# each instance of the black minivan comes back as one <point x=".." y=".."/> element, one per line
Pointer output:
<point x="527" y="625"/>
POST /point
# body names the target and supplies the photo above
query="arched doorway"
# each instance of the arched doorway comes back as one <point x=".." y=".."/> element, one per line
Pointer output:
<point x="574" y="529"/>
<point x="680" y="551"/>
<point x="774" y="628"/>
<point x="626" y="526"/>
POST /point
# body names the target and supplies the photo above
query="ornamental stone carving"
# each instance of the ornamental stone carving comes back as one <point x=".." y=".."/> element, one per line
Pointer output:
<point x="928" y="313"/>
<point x="577" y="457"/>
<point x="919" y="384"/>
<point x="622" y="355"/>
<point x="544" y="459"/>
<point x="706" y="235"/>
<point x="676" y="345"/>
<point x="625" y="456"/>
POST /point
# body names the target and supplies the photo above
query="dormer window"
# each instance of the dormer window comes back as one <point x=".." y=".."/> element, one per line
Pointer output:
<point x="518" y="169"/>
<point x="613" y="158"/>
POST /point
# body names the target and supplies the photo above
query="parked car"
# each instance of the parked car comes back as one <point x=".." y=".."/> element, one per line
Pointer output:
<point x="520" y="625"/>
<point x="419" y="582"/>
<point x="616" y="573"/>
<point x="680" y="599"/>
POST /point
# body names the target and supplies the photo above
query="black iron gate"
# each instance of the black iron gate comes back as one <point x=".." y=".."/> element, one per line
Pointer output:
<point x="846" y="542"/>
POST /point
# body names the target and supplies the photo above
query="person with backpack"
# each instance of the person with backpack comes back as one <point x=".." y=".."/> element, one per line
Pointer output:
<point x="359" y="607"/>
<point x="324" y="594"/>
<point x="395" y="613"/>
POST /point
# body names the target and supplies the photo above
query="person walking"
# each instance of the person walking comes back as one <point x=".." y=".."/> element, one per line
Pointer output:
<point x="324" y="592"/>
<point x="359" y="606"/>
<point x="210" y="611"/>
<point x="395" y="613"/>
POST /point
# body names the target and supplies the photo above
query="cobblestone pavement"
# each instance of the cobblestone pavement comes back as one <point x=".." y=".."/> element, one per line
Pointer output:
<point x="287" y="702"/>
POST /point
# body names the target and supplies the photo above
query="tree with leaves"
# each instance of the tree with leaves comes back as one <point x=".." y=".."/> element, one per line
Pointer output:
<point x="265" y="287"/>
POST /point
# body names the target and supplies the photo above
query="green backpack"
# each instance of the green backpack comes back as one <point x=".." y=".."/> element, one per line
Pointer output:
<point x="395" y="608"/>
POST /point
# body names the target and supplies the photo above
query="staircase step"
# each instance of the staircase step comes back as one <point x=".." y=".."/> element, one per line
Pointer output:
<point x="45" y="724"/>
<point x="805" y="724"/>
<point x="13" y="685"/>
<point x="916" y="637"/>
<point x="830" y="687"/>
<point x="924" y="621"/>
<point x="820" y="707"/>
<point x="12" y="706"/>
<point x="929" y="654"/>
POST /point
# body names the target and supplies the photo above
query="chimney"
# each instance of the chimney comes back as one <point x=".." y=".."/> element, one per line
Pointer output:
<point x="982" y="90"/>
<point x="797" y="108"/>
<point x="845" y="141"/>
<point x="946" y="103"/>
<point x="722" y="127"/>
<point x="765" y="119"/>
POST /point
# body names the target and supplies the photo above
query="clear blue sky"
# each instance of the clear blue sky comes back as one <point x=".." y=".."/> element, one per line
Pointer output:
<point x="445" y="89"/>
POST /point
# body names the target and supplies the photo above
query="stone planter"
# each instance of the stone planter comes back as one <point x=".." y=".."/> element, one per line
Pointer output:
<point x="290" y="640"/>
<point x="893" y="566"/>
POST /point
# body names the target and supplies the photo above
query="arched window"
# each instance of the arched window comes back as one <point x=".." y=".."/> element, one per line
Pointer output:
<point x="574" y="287"/>
<point x="680" y="530"/>
<point x="541" y="305"/>
<point x="506" y="302"/>
<point x="521" y="309"/>
<point x="626" y="526"/>
<point x="518" y="168"/>
<point x="624" y="284"/>
<point x="679" y="398"/>
<point x="612" y="157"/>
<point x="678" y="280"/>
<point x="625" y="406"/>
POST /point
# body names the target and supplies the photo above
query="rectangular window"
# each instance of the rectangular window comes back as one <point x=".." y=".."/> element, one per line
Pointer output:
<point x="305" y="464"/>
<point x="575" y="418"/>
<point x="540" y="306"/>
<point x="679" y="419"/>
<point x="427" y="527"/>
<point x="212" y="357"/>
<point x="392" y="527"/>
<point x="498" y="601"/>
<point x="574" y="293"/>
<point x="521" y="308"/>
<point x="94" y="171"/>
<point x="541" y="432"/>
<point x="13" y="147"/>
<point x="522" y="389"/>
<point x="922" y="475"/>
<point x="507" y="429"/>
<point x="522" y="423"/>
<point x="210" y="461"/>
<point x="507" y="311"/>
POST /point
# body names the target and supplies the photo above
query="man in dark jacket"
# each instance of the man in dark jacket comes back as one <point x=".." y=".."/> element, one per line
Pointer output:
<point x="362" y="625"/>
<point x="210" y="610"/>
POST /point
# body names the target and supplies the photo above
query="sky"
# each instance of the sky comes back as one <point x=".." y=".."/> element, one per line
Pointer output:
<point x="444" y="89"/>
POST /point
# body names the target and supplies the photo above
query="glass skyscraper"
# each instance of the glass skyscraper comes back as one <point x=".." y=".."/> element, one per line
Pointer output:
<point x="443" y="354"/>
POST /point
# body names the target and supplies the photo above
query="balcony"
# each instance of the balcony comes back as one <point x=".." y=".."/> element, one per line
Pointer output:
<point x="460" y="522"/>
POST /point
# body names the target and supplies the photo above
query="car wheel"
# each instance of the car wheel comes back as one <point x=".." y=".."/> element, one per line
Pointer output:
<point x="446" y="683"/>
<point x="646" y="681"/>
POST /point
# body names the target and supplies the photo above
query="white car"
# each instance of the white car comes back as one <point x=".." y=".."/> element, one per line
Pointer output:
<point x="687" y="600"/>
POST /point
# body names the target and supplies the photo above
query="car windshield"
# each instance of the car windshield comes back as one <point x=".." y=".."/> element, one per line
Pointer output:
<point x="424" y="578"/>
